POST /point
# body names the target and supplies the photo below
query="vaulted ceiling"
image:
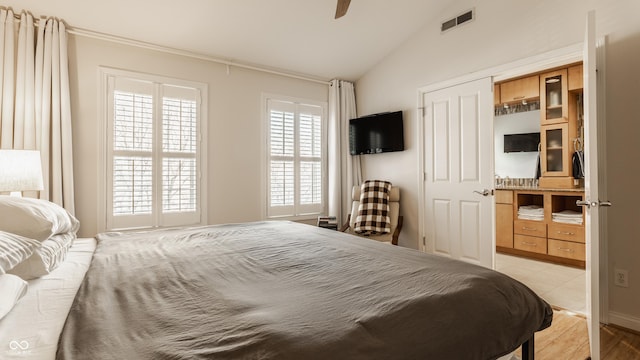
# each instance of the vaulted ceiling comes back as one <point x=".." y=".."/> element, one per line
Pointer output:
<point x="298" y="36"/>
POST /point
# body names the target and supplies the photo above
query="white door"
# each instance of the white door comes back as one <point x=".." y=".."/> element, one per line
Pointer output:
<point x="458" y="171"/>
<point x="591" y="203"/>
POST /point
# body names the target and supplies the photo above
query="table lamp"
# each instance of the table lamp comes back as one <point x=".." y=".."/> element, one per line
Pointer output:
<point x="20" y="170"/>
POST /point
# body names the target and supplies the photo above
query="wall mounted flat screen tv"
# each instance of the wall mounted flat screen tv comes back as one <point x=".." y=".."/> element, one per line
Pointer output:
<point x="377" y="133"/>
<point x="521" y="142"/>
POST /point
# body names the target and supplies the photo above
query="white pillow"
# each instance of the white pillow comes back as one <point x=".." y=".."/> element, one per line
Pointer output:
<point x="45" y="258"/>
<point x="14" y="249"/>
<point x="35" y="218"/>
<point x="12" y="289"/>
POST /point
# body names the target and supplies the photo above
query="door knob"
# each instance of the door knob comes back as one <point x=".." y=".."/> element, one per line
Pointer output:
<point x="588" y="203"/>
<point x="485" y="192"/>
<point x="584" y="203"/>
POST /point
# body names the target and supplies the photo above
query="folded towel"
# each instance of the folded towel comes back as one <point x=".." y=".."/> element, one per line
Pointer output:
<point x="568" y="214"/>
<point x="567" y="217"/>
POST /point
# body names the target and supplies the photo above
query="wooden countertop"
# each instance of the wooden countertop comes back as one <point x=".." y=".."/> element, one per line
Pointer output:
<point x="524" y="188"/>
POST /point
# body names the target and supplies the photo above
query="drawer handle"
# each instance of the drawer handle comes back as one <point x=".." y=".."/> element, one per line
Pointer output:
<point x="565" y="250"/>
<point x="528" y="228"/>
<point x="565" y="233"/>
<point x="518" y="97"/>
<point x="529" y="243"/>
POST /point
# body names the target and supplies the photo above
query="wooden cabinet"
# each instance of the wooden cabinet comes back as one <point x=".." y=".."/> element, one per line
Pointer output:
<point x="554" y="96"/>
<point x="557" y="236"/>
<point x="558" y="125"/>
<point x="566" y="240"/>
<point x="496" y="95"/>
<point x="504" y="218"/>
<point x="520" y="89"/>
<point x="575" y="78"/>
<point x="547" y="234"/>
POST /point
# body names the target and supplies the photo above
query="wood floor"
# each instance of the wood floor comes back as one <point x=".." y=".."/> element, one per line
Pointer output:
<point x="567" y="338"/>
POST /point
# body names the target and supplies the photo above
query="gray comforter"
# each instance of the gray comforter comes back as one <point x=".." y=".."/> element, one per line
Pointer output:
<point x="280" y="290"/>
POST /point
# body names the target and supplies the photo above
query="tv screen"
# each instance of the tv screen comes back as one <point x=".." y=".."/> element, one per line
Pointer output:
<point x="376" y="133"/>
<point x="521" y="142"/>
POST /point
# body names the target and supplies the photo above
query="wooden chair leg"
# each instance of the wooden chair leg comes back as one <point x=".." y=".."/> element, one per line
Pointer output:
<point x="396" y="234"/>
<point x="346" y="225"/>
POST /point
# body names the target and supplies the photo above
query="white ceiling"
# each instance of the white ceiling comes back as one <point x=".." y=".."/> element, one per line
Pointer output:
<point x="299" y="36"/>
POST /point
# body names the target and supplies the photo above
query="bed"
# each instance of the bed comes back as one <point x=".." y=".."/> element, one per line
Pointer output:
<point x="282" y="290"/>
<point x="265" y="290"/>
<point x="32" y="328"/>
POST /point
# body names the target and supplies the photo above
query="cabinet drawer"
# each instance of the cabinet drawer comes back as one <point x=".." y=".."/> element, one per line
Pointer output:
<point x="567" y="249"/>
<point x="531" y="228"/>
<point x="566" y="232"/>
<point x="504" y="197"/>
<point x="530" y="243"/>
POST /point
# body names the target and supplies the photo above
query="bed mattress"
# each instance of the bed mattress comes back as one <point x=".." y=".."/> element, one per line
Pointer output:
<point x="31" y="329"/>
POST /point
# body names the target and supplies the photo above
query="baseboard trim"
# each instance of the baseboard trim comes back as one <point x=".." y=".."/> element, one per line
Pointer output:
<point x="624" y="320"/>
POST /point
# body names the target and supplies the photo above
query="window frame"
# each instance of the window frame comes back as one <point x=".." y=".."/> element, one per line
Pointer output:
<point x="158" y="218"/>
<point x="300" y="211"/>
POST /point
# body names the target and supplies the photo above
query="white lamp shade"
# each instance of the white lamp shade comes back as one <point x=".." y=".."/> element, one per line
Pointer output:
<point x="20" y="170"/>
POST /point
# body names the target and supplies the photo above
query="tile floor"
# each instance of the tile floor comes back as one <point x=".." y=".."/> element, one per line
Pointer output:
<point x="559" y="285"/>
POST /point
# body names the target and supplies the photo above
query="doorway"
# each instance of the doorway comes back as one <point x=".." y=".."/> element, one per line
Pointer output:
<point x="539" y="232"/>
<point x="516" y="126"/>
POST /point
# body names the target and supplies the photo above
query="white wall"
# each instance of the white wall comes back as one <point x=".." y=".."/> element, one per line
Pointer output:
<point x="234" y="123"/>
<point x="515" y="164"/>
<point x="505" y="31"/>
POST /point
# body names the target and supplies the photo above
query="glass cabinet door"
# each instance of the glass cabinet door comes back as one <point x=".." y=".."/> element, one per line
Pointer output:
<point x="555" y="150"/>
<point x="553" y="97"/>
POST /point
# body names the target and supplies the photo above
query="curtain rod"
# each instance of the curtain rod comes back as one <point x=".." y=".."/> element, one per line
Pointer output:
<point x="145" y="45"/>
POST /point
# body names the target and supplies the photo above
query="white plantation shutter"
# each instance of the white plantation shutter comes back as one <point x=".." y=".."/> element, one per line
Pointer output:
<point x="295" y="145"/>
<point x="178" y="185"/>
<point x="179" y="152"/>
<point x="310" y="157"/>
<point x="132" y="185"/>
<point x="153" y="171"/>
<point x="132" y="144"/>
<point x="282" y="159"/>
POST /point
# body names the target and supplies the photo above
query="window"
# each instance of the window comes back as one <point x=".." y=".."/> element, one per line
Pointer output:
<point x="154" y="151"/>
<point x="296" y="158"/>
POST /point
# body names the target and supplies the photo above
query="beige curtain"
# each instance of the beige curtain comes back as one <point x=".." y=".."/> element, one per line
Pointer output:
<point x="344" y="169"/>
<point x="35" y="100"/>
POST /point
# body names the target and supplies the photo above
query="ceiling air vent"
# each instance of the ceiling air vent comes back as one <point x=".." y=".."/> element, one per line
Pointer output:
<point x="458" y="20"/>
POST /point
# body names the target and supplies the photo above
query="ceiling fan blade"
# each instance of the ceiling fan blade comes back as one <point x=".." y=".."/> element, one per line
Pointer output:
<point x="341" y="9"/>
